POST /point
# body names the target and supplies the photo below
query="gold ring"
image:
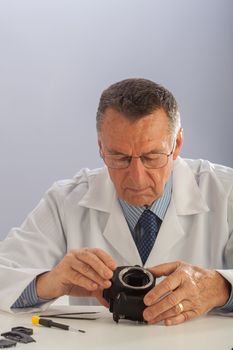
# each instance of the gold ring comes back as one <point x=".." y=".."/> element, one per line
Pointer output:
<point x="181" y="307"/>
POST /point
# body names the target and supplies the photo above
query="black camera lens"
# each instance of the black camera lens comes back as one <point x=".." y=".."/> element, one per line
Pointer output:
<point x="135" y="278"/>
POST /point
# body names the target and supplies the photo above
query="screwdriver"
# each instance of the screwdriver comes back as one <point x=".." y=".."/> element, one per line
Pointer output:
<point x="49" y="323"/>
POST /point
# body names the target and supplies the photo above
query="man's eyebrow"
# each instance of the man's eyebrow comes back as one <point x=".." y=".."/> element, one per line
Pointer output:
<point x="114" y="152"/>
<point x="153" y="151"/>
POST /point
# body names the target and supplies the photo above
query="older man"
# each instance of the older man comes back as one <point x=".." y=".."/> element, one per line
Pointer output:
<point x="83" y="228"/>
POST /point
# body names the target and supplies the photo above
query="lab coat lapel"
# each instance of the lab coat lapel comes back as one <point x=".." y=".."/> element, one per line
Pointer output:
<point x="118" y="234"/>
<point x="101" y="196"/>
<point x="169" y="234"/>
<point x="186" y="200"/>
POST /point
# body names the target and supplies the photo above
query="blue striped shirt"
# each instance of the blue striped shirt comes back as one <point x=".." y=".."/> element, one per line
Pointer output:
<point x="158" y="207"/>
<point x="29" y="297"/>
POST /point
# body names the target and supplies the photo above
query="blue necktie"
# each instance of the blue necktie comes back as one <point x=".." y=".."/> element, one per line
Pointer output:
<point x="150" y="224"/>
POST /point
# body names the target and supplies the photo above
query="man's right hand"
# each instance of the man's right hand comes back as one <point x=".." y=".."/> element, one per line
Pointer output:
<point x="82" y="272"/>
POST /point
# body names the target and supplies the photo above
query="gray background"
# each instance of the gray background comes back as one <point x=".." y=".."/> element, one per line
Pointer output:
<point x="57" y="56"/>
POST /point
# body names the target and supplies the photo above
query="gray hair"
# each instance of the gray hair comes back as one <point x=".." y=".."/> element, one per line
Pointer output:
<point x="136" y="98"/>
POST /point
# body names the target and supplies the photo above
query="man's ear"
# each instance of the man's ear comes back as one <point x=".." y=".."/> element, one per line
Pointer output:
<point x="99" y="143"/>
<point x="100" y="147"/>
<point x="179" y="143"/>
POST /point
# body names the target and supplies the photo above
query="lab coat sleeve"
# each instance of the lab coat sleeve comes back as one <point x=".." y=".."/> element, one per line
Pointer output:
<point x="228" y="259"/>
<point x="36" y="247"/>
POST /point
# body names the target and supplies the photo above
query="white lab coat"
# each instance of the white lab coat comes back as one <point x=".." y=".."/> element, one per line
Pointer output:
<point x="84" y="212"/>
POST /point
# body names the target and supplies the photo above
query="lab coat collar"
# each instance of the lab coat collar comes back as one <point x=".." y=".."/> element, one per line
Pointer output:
<point x="101" y="192"/>
<point x="186" y="200"/>
<point x="186" y="194"/>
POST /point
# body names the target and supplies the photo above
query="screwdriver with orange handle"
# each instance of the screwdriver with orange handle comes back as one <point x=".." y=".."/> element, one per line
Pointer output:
<point x="49" y="323"/>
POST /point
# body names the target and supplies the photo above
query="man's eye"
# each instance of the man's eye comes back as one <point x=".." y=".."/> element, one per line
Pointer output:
<point x="124" y="159"/>
<point x="151" y="157"/>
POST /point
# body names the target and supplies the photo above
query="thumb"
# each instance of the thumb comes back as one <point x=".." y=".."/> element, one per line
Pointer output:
<point x="99" y="296"/>
<point x="164" y="269"/>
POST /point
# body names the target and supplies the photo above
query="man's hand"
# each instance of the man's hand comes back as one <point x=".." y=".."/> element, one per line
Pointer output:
<point x="82" y="272"/>
<point x="187" y="292"/>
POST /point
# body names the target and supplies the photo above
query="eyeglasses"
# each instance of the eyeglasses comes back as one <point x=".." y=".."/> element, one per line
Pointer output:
<point x="150" y="161"/>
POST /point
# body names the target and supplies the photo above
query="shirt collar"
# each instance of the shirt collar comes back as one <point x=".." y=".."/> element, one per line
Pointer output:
<point x="158" y="207"/>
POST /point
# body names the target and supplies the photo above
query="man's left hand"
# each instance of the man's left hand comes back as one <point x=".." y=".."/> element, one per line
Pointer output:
<point x="187" y="291"/>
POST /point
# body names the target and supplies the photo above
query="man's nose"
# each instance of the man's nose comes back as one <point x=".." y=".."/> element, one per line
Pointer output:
<point x="137" y="171"/>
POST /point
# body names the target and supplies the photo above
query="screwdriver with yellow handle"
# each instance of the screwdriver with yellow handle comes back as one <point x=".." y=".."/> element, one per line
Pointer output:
<point x="49" y="323"/>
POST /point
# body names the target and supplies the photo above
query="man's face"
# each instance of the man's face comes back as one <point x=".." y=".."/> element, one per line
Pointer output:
<point x="136" y="184"/>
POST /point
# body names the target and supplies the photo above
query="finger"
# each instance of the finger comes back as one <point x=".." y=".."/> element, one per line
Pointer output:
<point x="169" y="302"/>
<point x="99" y="296"/>
<point x="91" y="258"/>
<point x="174" y="311"/>
<point x="87" y="271"/>
<point x="106" y="258"/>
<point x="185" y="316"/>
<point x="164" y="269"/>
<point x="76" y="278"/>
<point x="169" y="284"/>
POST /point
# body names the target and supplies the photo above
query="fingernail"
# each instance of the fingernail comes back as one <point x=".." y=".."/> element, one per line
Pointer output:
<point x="147" y="315"/>
<point x="114" y="266"/>
<point x="147" y="301"/>
<point x="168" y="322"/>
<point x="108" y="274"/>
<point x="107" y="284"/>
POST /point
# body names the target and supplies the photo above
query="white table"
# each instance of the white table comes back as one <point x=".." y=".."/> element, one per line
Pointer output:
<point x="208" y="332"/>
